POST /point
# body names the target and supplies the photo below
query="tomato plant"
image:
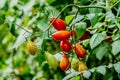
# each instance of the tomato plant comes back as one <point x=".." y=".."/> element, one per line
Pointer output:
<point x="59" y="39"/>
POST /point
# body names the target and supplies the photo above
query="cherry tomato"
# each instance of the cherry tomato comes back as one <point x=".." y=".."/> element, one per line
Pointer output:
<point x="61" y="35"/>
<point x="64" y="63"/>
<point x="80" y="51"/>
<point x="65" y="45"/>
<point x="31" y="47"/>
<point x="58" y="24"/>
<point x="75" y="64"/>
<point x="82" y="66"/>
<point x="85" y="35"/>
<point x="51" y="60"/>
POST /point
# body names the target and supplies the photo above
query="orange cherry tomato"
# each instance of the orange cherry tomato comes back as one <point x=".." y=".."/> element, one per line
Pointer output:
<point x="82" y="66"/>
<point x="65" y="45"/>
<point x="80" y="51"/>
<point x="61" y="35"/>
<point x="58" y="24"/>
<point x="64" y="63"/>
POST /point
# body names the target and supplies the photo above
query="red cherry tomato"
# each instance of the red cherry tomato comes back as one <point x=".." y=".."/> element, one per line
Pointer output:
<point x="58" y="24"/>
<point x="85" y="35"/>
<point x="61" y="35"/>
<point x="64" y="63"/>
<point x="80" y="51"/>
<point x="65" y="45"/>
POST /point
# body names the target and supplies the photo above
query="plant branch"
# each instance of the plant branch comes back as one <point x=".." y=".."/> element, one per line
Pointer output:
<point x="115" y="4"/>
<point x="19" y="26"/>
<point x="77" y="6"/>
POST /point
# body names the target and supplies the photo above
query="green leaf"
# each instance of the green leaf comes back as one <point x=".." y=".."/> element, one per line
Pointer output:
<point x="92" y="70"/>
<point x="95" y="10"/>
<point x="101" y="50"/>
<point x="116" y="36"/>
<point x="87" y="74"/>
<point x="115" y="47"/>
<point x="2" y="19"/>
<point x="42" y="24"/>
<point x="97" y="39"/>
<point x="101" y="69"/>
<point x="80" y="29"/>
<point x="111" y="15"/>
<point x="71" y="75"/>
<point x="22" y="38"/>
<point x="78" y="18"/>
<point x="50" y="1"/>
<point x="69" y="18"/>
<point x="76" y="78"/>
<point x="98" y="25"/>
<point x="12" y="28"/>
<point x="117" y="67"/>
<point x="93" y="18"/>
<point x="40" y="58"/>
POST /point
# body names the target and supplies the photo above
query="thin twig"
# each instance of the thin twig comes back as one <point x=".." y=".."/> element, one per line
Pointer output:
<point x="77" y="6"/>
<point x="19" y="26"/>
<point x="115" y="4"/>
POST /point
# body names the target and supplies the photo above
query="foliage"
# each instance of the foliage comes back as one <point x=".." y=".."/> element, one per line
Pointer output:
<point x="93" y="24"/>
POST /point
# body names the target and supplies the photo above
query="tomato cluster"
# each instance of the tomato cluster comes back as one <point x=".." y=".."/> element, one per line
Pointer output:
<point x="62" y="35"/>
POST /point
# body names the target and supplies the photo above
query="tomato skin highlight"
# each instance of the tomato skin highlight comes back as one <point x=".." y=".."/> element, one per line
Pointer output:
<point x="61" y="35"/>
<point x="80" y="51"/>
<point x="65" y="45"/>
<point x="64" y="63"/>
<point x="58" y="24"/>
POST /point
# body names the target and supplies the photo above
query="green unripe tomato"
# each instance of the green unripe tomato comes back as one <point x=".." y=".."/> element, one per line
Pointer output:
<point x="75" y="64"/>
<point x="51" y="60"/>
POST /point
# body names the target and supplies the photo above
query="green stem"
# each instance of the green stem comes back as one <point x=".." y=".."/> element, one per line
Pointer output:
<point x="115" y="4"/>
<point x="77" y="6"/>
<point x="107" y="3"/>
<point x="19" y="26"/>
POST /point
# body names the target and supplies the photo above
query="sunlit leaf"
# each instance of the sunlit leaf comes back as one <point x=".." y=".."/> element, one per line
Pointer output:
<point x="78" y="18"/>
<point x="96" y="39"/>
<point x="22" y="38"/>
<point x="102" y="70"/>
<point x="101" y="50"/>
<point x="115" y="47"/>
<point x="80" y="29"/>
<point x="117" y="67"/>
<point x="87" y="74"/>
<point x="69" y="18"/>
<point x="71" y="75"/>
